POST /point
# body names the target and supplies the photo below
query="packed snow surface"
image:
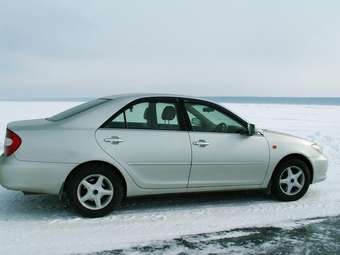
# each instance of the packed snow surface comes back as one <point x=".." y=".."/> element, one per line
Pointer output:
<point x="40" y="224"/>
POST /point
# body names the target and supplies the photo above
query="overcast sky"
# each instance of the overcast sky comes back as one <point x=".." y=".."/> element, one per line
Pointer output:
<point x="84" y="48"/>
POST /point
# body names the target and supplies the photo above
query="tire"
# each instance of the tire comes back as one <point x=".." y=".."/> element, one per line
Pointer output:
<point x="291" y="185"/>
<point x="95" y="190"/>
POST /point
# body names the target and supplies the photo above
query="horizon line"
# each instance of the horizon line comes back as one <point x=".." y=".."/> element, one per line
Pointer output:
<point x="216" y="97"/>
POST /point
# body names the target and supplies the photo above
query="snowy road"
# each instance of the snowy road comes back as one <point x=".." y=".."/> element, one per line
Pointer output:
<point x="313" y="237"/>
<point x="40" y="225"/>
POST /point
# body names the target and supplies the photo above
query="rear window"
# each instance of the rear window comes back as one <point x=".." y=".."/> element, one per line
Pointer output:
<point x="77" y="109"/>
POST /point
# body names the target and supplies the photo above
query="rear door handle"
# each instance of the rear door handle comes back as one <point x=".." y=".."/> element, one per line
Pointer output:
<point x="113" y="140"/>
<point x="201" y="143"/>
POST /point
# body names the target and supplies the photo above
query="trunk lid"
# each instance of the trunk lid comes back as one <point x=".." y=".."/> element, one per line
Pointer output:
<point x="28" y="124"/>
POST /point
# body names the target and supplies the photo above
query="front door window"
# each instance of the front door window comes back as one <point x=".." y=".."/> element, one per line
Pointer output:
<point x="204" y="118"/>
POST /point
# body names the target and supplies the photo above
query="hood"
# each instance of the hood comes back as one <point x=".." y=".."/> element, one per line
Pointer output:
<point x="276" y="134"/>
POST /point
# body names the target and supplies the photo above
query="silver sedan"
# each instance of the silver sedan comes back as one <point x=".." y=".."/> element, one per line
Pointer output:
<point x="97" y="153"/>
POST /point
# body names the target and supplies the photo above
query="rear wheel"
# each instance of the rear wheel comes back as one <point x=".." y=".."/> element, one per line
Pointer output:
<point x="291" y="180"/>
<point x="94" y="191"/>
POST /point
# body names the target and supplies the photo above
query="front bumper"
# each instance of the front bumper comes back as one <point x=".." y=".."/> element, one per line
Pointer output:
<point x="320" y="166"/>
<point x="35" y="177"/>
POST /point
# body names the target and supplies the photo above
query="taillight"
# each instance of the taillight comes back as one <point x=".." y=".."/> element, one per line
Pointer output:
<point x="12" y="142"/>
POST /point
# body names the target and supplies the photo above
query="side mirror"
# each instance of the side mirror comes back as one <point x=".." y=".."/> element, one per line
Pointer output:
<point x="251" y="129"/>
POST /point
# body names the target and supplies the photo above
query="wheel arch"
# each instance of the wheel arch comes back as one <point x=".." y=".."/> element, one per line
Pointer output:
<point x="88" y="164"/>
<point x="296" y="156"/>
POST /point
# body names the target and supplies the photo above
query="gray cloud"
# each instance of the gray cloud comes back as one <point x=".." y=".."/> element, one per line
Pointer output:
<point x="85" y="48"/>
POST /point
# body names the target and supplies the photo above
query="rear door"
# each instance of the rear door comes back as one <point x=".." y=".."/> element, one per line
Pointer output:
<point x="147" y="138"/>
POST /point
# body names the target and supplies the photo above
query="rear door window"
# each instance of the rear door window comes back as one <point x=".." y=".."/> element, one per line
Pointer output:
<point x="148" y="115"/>
<point x="167" y="118"/>
<point x="139" y="116"/>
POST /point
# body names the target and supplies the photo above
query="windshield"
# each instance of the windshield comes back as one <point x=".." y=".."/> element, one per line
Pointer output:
<point x="77" y="109"/>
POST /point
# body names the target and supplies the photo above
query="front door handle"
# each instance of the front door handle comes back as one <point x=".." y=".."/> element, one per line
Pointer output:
<point x="113" y="140"/>
<point x="201" y="143"/>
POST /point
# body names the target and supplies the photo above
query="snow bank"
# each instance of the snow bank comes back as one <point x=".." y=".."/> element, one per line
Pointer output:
<point x="40" y="225"/>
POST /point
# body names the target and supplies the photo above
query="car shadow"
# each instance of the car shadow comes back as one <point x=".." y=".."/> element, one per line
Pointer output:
<point x="16" y="206"/>
<point x="199" y="199"/>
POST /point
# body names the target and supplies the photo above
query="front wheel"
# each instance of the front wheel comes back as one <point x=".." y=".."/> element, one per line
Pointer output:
<point x="291" y="180"/>
<point x="94" y="191"/>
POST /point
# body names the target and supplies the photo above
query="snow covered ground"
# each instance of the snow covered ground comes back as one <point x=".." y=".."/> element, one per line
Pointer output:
<point x="312" y="237"/>
<point x="40" y="224"/>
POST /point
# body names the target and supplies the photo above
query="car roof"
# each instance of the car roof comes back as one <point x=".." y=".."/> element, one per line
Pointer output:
<point x="143" y="95"/>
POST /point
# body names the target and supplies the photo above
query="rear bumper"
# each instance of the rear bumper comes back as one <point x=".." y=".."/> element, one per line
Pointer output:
<point x="320" y="166"/>
<point x="37" y="177"/>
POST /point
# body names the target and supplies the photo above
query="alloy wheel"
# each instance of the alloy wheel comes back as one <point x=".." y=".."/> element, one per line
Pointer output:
<point x="292" y="180"/>
<point x="95" y="192"/>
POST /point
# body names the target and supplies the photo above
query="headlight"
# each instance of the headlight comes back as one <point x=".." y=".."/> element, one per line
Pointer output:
<point x="317" y="147"/>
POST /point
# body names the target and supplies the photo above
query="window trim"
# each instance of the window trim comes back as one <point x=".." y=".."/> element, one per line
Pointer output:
<point x="212" y="105"/>
<point x="174" y="100"/>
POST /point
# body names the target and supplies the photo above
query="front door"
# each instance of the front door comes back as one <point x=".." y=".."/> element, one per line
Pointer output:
<point x="147" y="139"/>
<point x="222" y="153"/>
